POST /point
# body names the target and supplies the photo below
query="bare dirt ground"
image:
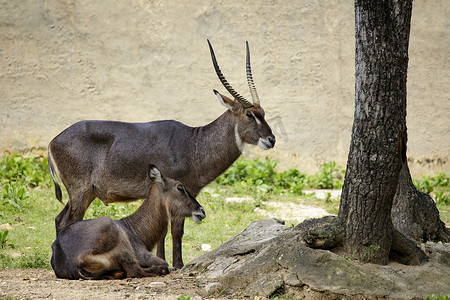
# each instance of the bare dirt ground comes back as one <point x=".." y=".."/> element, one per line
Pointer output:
<point x="289" y="211"/>
<point x="42" y="284"/>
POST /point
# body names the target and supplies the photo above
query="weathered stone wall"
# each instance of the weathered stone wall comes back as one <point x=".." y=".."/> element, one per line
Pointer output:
<point x="64" y="61"/>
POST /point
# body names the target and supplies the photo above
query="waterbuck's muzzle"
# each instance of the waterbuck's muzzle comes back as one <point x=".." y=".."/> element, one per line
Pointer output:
<point x="266" y="143"/>
<point x="198" y="215"/>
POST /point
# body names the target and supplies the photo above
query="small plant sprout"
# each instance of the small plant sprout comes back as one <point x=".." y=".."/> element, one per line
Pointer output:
<point x="4" y="240"/>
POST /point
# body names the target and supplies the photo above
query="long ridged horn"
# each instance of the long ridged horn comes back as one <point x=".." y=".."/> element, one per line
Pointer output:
<point x="225" y="83"/>
<point x="251" y="84"/>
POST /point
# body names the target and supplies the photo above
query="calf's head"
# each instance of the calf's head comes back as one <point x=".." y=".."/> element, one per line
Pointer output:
<point x="177" y="200"/>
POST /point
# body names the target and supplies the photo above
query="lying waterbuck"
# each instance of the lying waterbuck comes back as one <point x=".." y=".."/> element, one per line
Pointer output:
<point x="107" y="159"/>
<point x="102" y="248"/>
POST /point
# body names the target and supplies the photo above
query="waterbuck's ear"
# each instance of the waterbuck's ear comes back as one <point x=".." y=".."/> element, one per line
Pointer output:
<point x="224" y="100"/>
<point x="154" y="174"/>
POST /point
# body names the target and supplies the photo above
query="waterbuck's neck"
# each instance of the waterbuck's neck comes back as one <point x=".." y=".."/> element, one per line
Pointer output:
<point x="149" y="222"/>
<point x="217" y="146"/>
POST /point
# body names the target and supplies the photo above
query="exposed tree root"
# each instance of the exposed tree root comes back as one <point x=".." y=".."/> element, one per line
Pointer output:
<point x="323" y="233"/>
<point x="328" y="233"/>
<point x="415" y="214"/>
<point x="405" y="251"/>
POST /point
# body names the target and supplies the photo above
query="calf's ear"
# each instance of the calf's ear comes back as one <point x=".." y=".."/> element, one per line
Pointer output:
<point x="155" y="174"/>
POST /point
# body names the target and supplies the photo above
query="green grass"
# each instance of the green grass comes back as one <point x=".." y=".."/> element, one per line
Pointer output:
<point x="31" y="230"/>
<point x="262" y="177"/>
<point x="28" y="205"/>
<point x="438" y="297"/>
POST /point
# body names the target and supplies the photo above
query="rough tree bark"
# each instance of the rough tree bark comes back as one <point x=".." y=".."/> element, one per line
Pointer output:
<point x="378" y="147"/>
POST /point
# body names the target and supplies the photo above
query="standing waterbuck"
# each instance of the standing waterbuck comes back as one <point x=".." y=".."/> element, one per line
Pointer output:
<point x="107" y="159"/>
<point x="102" y="248"/>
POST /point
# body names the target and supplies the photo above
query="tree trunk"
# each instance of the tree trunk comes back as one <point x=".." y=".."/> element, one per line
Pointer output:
<point x="378" y="147"/>
<point x="415" y="214"/>
<point x="378" y="191"/>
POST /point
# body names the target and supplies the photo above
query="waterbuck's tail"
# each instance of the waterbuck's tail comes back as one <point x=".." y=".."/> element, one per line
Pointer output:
<point x="58" y="192"/>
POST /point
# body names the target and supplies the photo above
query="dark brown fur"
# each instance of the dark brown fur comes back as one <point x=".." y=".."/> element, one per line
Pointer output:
<point x="106" y="249"/>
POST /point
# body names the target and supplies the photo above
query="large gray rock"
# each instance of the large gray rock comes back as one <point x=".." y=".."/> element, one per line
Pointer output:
<point x="268" y="256"/>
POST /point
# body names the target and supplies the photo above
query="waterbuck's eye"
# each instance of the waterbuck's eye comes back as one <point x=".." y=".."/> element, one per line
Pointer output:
<point x="181" y="188"/>
<point x="249" y="115"/>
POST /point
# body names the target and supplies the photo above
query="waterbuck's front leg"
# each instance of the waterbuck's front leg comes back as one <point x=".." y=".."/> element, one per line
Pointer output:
<point x="160" y="248"/>
<point x="177" y="230"/>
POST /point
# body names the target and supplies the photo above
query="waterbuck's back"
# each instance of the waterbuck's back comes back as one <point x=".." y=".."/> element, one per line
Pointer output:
<point x="109" y="159"/>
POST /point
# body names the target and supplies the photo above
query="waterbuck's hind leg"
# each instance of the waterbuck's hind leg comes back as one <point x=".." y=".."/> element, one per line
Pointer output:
<point x="133" y="257"/>
<point x="62" y="219"/>
<point x="114" y="274"/>
<point x="157" y="270"/>
<point x="153" y="266"/>
<point x="74" y="210"/>
<point x="150" y="264"/>
<point x="111" y="266"/>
